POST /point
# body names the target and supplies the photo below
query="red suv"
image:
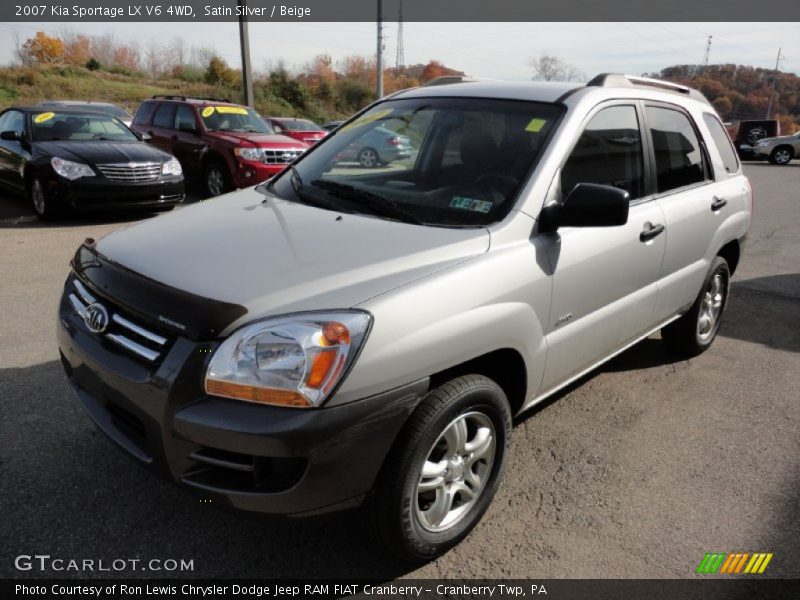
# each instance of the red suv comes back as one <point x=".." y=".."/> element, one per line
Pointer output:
<point x="221" y="144"/>
<point x="299" y="129"/>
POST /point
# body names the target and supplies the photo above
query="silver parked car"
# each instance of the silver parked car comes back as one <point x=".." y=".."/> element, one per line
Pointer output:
<point x="339" y="335"/>
<point x="778" y="150"/>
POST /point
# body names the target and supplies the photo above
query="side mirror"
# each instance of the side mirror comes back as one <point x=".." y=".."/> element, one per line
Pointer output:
<point x="11" y="136"/>
<point x="587" y="205"/>
<point x="145" y="137"/>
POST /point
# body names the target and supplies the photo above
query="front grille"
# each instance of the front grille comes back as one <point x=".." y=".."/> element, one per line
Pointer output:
<point x="279" y="157"/>
<point x="121" y="330"/>
<point x="131" y="172"/>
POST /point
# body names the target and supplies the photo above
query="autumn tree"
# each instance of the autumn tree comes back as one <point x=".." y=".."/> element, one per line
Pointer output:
<point x="127" y="57"/>
<point x="43" y="48"/>
<point x="77" y="49"/>
<point x="552" y="68"/>
<point x="433" y="70"/>
<point x="218" y="73"/>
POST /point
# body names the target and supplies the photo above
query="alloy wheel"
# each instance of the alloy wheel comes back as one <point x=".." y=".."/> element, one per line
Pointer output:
<point x="37" y="195"/>
<point x="368" y="158"/>
<point x="215" y="182"/>
<point x="455" y="472"/>
<point x="782" y="157"/>
<point x="711" y="307"/>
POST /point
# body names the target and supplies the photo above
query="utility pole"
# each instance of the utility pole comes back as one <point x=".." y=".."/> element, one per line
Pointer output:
<point x="379" y="64"/>
<point x="247" y="70"/>
<point x="400" y="63"/>
<point x="708" y="51"/>
<point x="774" y="81"/>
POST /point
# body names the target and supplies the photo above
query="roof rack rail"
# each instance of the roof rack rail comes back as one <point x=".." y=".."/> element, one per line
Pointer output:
<point x="167" y="97"/>
<point x="445" y="79"/>
<point x="184" y="98"/>
<point x="619" y="80"/>
<point x="211" y="99"/>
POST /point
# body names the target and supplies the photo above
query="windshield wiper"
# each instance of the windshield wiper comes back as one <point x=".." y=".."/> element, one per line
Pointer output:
<point x="301" y="190"/>
<point x="376" y="204"/>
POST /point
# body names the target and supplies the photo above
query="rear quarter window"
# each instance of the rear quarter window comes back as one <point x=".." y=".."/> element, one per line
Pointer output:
<point x="723" y="143"/>
<point x="145" y="113"/>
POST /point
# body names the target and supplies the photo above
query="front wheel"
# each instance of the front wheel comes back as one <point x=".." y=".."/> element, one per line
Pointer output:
<point x="781" y="156"/>
<point x="41" y="202"/>
<point x="216" y="179"/>
<point x="444" y="469"/>
<point x="695" y="331"/>
<point x="368" y="158"/>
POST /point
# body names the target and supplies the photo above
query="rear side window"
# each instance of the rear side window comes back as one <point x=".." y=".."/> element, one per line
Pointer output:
<point x="163" y="116"/>
<point x="679" y="156"/>
<point x="145" y="113"/>
<point x="723" y="143"/>
<point x="609" y="152"/>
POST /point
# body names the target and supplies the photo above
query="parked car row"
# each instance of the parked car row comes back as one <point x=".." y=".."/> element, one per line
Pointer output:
<point x="69" y="155"/>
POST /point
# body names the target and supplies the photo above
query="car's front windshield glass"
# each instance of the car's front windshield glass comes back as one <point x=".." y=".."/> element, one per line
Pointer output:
<point x="233" y="118"/>
<point x="52" y="125"/>
<point x="437" y="161"/>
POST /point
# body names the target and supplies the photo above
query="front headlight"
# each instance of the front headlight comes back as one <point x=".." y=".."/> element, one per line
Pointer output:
<point x="295" y="360"/>
<point x="71" y="170"/>
<point x="172" y="167"/>
<point x="248" y="153"/>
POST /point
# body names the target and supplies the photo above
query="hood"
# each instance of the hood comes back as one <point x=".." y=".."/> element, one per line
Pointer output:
<point x="275" y="256"/>
<point x="263" y="140"/>
<point x="103" y="152"/>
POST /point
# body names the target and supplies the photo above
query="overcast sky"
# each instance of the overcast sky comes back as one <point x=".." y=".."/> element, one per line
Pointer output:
<point x="493" y="50"/>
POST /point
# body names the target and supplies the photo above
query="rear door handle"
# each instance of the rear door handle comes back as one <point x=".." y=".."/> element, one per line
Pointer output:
<point x="649" y="234"/>
<point x="718" y="203"/>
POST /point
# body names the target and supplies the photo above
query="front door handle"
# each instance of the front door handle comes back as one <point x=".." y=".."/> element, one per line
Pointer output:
<point x="649" y="234"/>
<point x="718" y="203"/>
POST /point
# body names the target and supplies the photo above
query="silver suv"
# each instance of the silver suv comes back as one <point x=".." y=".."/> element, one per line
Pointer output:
<point x="342" y="334"/>
<point x="778" y="150"/>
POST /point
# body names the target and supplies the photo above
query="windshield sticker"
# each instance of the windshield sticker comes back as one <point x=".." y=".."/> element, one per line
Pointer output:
<point x="535" y="126"/>
<point x="367" y="119"/>
<point x="208" y="111"/>
<point x="44" y="117"/>
<point x="227" y="110"/>
<point x="481" y="206"/>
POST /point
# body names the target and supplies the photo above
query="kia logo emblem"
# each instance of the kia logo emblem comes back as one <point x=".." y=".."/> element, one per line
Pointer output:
<point x="96" y="317"/>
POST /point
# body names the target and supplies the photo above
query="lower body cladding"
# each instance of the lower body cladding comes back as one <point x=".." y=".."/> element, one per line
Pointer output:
<point x="101" y="193"/>
<point x="253" y="457"/>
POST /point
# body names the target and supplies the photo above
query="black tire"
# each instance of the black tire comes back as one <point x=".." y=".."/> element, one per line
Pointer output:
<point x="369" y="158"/>
<point x="397" y="504"/>
<point x="216" y="179"/>
<point x="782" y="155"/>
<point x="684" y="334"/>
<point x="42" y="203"/>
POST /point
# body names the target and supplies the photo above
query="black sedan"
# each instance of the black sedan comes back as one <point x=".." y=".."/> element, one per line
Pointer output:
<point x="76" y="159"/>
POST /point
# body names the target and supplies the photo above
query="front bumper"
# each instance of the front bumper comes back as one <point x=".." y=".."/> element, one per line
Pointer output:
<point x="248" y="173"/>
<point x="99" y="192"/>
<point x="761" y="151"/>
<point x="249" y="456"/>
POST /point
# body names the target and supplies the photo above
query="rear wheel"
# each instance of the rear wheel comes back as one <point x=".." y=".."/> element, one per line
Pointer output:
<point x="368" y="158"/>
<point x="782" y="155"/>
<point x="444" y="469"/>
<point x="695" y="331"/>
<point x="216" y="179"/>
<point x="41" y="202"/>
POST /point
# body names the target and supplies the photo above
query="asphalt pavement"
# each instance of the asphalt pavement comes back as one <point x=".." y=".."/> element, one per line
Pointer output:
<point x="637" y="470"/>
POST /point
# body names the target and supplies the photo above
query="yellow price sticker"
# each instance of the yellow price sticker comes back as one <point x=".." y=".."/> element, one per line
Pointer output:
<point x="535" y="126"/>
<point x="231" y="110"/>
<point x="367" y="119"/>
<point x="44" y="117"/>
<point x="208" y="111"/>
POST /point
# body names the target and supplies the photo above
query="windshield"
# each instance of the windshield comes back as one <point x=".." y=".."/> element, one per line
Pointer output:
<point x="436" y="161"/>
<point x="298" y="125"/>
<point x="76" y="127"/>
<point x="234" y="118"/>
<point x="114" y="111"/>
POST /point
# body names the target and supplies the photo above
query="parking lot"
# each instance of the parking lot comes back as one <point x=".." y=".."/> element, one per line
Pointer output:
<point x="637" y="470"/>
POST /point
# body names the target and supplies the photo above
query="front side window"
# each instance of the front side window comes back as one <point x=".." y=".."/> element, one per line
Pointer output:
<point x="679" y="156"/>
<point x="13" y="120"/>
<point x="75" y="126"/>
<point x="184" y="118"/>
<point x="456" y="162"/>
<point x="608" y="152"/>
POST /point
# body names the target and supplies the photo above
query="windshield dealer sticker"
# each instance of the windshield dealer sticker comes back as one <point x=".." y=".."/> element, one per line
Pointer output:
<point x="44" y="117"/>
<point x="481" y="206"/>
<point x="208" y="111"/>
<point x="535" y="126"/>
<point x="367" y="119"/>
<point x="230" y="110"/>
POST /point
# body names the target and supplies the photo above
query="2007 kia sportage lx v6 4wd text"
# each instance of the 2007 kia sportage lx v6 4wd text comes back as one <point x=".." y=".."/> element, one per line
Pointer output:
<point x="341" y="334"/>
